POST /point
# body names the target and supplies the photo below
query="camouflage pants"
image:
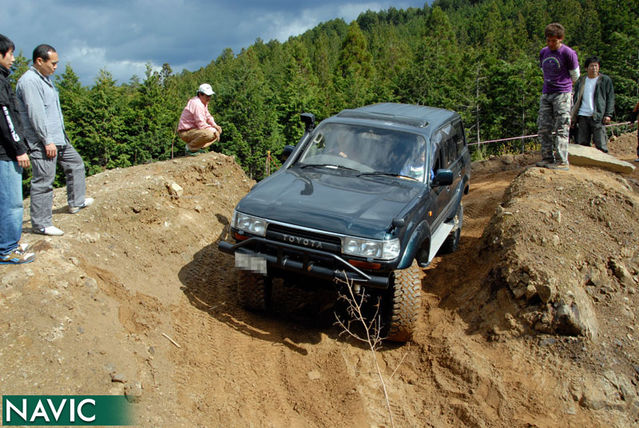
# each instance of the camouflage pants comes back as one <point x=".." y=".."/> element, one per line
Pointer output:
<point x="554" y="115"/>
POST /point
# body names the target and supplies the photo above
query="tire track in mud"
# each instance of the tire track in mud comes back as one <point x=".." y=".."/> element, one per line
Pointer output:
<point x="240" y="366"/>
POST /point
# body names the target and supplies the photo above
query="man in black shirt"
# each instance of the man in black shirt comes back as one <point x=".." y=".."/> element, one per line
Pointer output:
<point x="13" y="158"/>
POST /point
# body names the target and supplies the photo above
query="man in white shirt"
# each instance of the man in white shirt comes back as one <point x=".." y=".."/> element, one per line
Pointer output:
<point x="594" y="104"/>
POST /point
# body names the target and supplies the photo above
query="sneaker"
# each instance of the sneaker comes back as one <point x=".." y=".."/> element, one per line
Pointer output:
<point x="87" y="202"/>
<point x="559" y="166"/>
<point x="17" y="257"/>
<point x="545" y="163"/>
<point x="188" y="152"/>
<point x="49" y="230"/>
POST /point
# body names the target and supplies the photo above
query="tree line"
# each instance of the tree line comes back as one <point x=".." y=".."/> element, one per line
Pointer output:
<point x="476" y="57"/>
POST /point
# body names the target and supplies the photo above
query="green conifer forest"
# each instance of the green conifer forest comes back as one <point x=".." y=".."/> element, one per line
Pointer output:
<point x="476" y="57"/>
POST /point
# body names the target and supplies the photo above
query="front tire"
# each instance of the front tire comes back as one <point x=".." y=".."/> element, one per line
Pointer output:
<point x="405" y="305"/>
<point x="253" y="291"/>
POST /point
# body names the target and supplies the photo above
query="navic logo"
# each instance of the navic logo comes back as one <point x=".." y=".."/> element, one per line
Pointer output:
<point x="70" y="410"/>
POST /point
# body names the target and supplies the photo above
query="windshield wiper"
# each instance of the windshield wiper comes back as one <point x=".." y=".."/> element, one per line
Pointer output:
<point x="387" y="174"/>
<point x="327" y="165"/>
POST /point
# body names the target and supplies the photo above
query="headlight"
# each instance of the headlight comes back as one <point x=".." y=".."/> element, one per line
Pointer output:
<point x="249" y="224"/>
<point x="383" y="250"/>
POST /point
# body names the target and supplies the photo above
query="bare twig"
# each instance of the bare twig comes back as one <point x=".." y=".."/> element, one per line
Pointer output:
<point x="400" y="362"/>
<point x="172" y="341"/>
<point x="372" y="331"/>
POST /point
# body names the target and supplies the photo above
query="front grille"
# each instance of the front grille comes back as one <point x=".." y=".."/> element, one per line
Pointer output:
<point x="304" y="238"/>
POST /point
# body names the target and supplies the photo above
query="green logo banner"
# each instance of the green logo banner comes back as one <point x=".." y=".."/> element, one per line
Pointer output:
<point x="67" y="410"/>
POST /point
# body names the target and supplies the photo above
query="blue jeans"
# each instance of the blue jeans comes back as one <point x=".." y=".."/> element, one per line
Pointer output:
<point x="10" y="205"/>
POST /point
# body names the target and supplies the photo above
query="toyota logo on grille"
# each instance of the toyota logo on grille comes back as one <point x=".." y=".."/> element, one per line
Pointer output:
<point x="302" y="241"/>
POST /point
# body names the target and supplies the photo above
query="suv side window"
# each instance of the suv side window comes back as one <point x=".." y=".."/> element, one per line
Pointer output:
<point x="436" y="144"/>
<point x="446" y="136"/>
<point x="459" y="136"/>
<point x="451" y="151"/>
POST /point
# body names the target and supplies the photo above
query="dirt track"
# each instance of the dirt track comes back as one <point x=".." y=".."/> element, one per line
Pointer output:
<point x="136" y="298"/>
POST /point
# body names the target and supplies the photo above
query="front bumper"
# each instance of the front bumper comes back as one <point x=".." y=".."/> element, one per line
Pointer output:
<point x="309" y="264"/>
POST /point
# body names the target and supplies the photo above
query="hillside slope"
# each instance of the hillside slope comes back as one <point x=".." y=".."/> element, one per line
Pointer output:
<point x="136" y="299"/>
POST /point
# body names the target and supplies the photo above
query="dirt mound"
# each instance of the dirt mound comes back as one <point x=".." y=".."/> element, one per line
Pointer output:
<point x="135" y="298"/>
<point x="562" y="242"/>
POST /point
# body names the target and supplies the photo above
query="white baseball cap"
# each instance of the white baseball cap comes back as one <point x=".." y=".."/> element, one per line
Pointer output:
<point x="205" y="89"/>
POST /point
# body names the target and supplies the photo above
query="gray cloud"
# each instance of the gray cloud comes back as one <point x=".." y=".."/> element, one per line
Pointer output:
<point x="123" y="36"/>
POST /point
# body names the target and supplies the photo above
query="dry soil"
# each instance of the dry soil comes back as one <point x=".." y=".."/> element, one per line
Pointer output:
<point x="135" y="298"/>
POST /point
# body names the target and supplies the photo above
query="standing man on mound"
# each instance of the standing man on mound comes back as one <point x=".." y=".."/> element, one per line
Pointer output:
<point x="13" y="158"/>
<point x="593" y="106"/>
<point x="39" y="107"/>
<point x="560" y="66"/>
<point x="197" y="128"/>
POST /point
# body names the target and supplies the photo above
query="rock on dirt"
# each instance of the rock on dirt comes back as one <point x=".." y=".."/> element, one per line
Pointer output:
<point x="590" y="156"/>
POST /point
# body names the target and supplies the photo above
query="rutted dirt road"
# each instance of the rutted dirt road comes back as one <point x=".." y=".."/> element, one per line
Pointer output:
<point x="135" y="298"/>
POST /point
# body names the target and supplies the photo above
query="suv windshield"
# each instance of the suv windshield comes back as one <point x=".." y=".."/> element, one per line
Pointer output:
<point x="367" y="150"/>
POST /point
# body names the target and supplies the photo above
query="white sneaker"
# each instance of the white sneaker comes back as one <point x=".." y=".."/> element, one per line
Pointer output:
<point x="87" y="202"/>
<point x="50" y="230"/>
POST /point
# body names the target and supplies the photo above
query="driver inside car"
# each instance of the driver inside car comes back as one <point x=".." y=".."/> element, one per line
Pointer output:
<point x="416" y="164"/>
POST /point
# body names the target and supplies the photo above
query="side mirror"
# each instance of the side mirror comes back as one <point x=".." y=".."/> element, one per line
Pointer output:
<point x="286" y="152"/>
<point x="443" y="177"/>
<point x="309" y="124"/>
<point x="398" y="222"/>
<point x="308" y="119"/>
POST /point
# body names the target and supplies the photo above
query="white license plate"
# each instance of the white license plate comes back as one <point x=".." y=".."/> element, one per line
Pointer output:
<point x="253" y="263"/>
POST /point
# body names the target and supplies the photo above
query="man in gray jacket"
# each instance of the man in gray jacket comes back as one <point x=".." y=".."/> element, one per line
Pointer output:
<point x="593" y="106"/>
<point x="39" y="107"/>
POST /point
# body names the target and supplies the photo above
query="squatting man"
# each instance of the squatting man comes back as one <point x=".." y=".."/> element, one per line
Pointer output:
<point x="197" y="128"/>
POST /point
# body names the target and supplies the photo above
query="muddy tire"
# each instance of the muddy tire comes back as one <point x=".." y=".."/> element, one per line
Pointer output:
<point x="405" y="305"/>
<point x="451" y="243"/>
<point x="284" y="296"/>
<point x="253" y="291"/>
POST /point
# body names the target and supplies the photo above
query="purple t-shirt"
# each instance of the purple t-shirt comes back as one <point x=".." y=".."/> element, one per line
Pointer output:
<point x="556" y="66"/>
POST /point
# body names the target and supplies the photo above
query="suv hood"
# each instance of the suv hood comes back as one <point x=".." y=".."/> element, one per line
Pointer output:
<point x="338" y="202"/>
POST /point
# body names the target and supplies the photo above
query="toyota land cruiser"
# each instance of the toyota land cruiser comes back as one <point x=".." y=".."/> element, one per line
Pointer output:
<point x="366" y="198"/>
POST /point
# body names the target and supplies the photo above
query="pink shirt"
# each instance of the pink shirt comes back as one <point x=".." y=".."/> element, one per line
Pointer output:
<point x="195" y="116"/>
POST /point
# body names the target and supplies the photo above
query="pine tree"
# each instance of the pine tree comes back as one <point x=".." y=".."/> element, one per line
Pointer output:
<point x="355" y="71"/>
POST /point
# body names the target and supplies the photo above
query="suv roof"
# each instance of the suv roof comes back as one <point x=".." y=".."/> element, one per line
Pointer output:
<point x="400" y="114"/>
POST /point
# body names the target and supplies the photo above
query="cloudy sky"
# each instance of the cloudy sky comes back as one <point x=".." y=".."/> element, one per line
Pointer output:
<point x="122" y="36"/>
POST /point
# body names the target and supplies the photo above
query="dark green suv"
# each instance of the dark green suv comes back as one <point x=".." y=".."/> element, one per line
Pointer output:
<point x="366" y="198"/>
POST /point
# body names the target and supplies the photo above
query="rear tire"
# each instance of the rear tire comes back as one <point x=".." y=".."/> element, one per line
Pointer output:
<point x="253" y="291"/>
<point x="451" y="243"/>
<point x="405" y="305"/>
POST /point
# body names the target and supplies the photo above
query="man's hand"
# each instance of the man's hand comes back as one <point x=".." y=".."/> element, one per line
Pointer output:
<point x="23" y="160"/>
<point x="606" y="120"/>
<point x="51" y="149"/>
